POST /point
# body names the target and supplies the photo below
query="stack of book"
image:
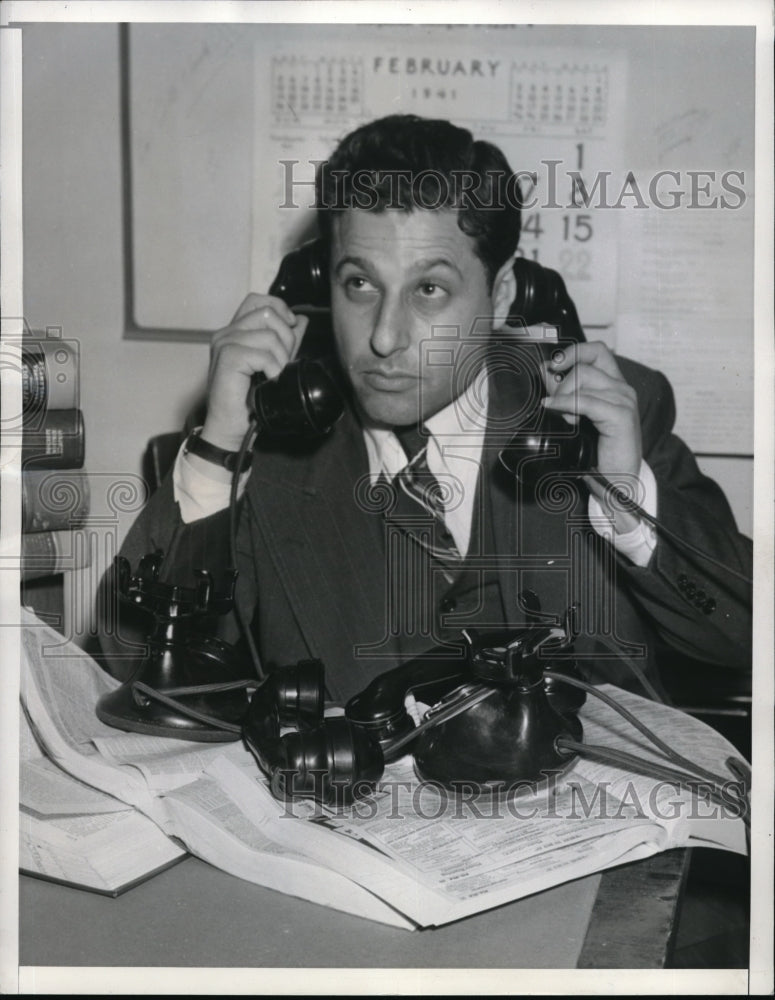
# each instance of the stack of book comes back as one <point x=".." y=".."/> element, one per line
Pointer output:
<point x="55" y="490"/>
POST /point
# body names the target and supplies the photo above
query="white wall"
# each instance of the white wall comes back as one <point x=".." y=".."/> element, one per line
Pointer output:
<point x="130" y="390"/>
<point x="73" y="279"/>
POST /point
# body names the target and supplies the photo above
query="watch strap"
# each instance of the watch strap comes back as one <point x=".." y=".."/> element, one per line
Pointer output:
<point x="196" y="445"/>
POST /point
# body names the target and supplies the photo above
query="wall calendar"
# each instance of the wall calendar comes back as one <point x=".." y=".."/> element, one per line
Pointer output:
<point x="557" y="114"/>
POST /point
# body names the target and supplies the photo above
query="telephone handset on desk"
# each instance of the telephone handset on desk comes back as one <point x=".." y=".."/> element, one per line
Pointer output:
<point x="494" y="725"/>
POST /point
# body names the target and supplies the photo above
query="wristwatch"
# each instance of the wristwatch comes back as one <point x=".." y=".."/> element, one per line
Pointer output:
<point x="212" y="453"/>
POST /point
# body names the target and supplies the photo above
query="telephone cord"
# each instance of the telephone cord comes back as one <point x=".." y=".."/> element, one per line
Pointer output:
<point x="233" y="505"/>
<point x="628" y="661"/>
<point x="634" y="508"/>
<point x="166" y="698"/>
<point x="719" y="795"/>
<point x="667" y="750"/>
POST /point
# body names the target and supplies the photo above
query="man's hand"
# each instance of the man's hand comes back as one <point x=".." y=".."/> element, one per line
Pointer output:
<point x="263" y="337"/>
<point x="585" y="380"/>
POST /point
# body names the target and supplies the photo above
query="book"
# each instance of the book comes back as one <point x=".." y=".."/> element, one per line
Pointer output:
<point x="69" y="832"/>
<point x="409" y="855"/>
<point x="44" y="553"/>
<point x="54" y="500"/>
<point x="49" y="374"/>
<point x="53" y="439"/>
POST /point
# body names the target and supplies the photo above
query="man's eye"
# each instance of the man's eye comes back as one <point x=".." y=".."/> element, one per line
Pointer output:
<point x="357" y="283"/>
<point x="430" y="290"/>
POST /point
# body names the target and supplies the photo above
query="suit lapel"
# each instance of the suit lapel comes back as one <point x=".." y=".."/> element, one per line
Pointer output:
<point x="529" y="529"/>
<point x="325" y="538"/>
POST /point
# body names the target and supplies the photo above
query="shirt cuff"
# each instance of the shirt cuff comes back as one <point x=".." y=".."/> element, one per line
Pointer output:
<point x="639" y="543"/>
<point x="201" y="488"/>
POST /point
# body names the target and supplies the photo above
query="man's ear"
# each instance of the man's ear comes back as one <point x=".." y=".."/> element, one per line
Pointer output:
<point x="504" y="291"/>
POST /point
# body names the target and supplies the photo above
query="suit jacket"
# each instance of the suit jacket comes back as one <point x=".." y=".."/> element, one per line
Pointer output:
<point x="312" y="578"/>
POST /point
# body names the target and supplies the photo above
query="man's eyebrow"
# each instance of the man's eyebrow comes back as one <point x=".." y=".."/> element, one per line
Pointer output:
<point x="356" y="261"/>
<point x="425" y="264"/>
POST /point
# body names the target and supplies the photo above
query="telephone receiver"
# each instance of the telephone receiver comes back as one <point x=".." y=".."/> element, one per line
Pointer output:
<point x="494" y="721"/>
<point x="305" y="400"/>
<point x="551" y="444"/>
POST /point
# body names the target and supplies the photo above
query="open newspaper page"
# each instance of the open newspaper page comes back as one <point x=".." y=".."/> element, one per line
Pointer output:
<point x="411" y="854"/>
<point x="440" y="857"/>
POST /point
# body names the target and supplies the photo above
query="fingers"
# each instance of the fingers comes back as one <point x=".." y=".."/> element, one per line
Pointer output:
<point x="584" y="380"/>
<point x="605" y="412"/>
<point x="234" y="358"/>
<point x="264" y="336"/>
<point x="255" y="303"/>
<point x="589" y="392"/>
<point x="595" y="354"/>
<point x="263" y="314"/>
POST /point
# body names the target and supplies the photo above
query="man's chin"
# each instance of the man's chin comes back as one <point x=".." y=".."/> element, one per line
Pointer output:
<point x="382" y="409"/>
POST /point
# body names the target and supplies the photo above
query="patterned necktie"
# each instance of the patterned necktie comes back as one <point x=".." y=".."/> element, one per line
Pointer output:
<point x="419" y="506"/>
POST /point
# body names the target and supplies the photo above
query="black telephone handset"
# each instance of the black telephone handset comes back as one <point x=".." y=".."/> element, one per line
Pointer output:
<point x="552" y="443"/>
<point x="304" y="401"/>
<point x="302" y="278"/>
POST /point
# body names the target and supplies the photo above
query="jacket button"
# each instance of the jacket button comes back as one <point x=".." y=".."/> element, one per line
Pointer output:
<point x="699" y="597"/>
<point x="691" y="589"/>
<point x="683" y="579"/>
<point x="448" y="604"/>
<point x="709" y="606"/>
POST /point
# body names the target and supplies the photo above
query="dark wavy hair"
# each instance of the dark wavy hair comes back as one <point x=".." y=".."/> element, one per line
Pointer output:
<point x="407" y="162"/>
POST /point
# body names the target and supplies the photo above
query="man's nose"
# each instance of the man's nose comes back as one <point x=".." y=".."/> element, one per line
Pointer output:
<point x="391" y="327"/>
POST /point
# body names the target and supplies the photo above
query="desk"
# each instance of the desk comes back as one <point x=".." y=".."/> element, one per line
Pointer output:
<point x="193" y="915"/>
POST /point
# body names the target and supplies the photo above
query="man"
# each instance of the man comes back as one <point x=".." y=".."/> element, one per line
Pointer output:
<point x="421" y="227"/>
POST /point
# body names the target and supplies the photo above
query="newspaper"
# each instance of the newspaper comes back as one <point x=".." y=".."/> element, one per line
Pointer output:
<point x="411" y="855"/>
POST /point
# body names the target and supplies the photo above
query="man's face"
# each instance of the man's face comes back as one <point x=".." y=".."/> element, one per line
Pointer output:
<point x="396" y="276"/>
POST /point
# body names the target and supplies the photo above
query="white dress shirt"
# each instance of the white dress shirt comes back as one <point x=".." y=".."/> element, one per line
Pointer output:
<point x="456" y="438"/>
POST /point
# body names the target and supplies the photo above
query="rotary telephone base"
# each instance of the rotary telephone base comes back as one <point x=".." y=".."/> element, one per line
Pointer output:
<point x="505" y="742"/>
<point x="189" y="683"/>
<point x="497" y="729"/>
